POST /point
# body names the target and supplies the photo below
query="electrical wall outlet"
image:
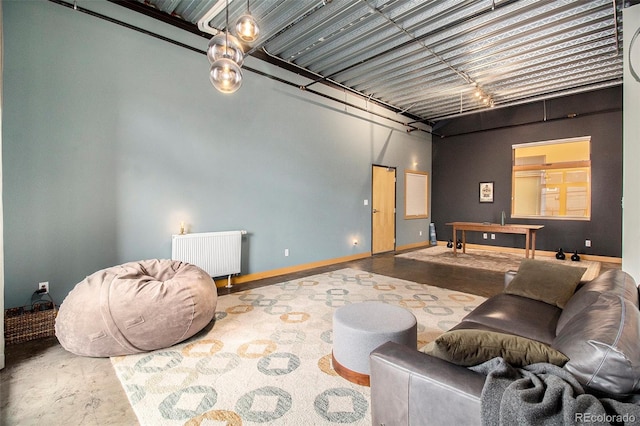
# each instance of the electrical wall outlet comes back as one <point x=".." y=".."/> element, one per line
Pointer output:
<point x="44" y="286"/>
<point x="484" y="235"/>
<point x="493" y="236"/>
<point x="587" y="243"/>
<point x="286" y="252"/>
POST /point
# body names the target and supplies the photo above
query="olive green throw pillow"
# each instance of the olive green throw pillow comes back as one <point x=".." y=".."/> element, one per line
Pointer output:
<point x="549" y="282"/>
<point x="473" y="347"/>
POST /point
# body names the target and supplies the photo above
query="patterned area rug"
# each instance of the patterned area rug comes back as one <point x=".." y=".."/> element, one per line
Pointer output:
<point x="491" y="260"/>
<point x="266" y="359"/>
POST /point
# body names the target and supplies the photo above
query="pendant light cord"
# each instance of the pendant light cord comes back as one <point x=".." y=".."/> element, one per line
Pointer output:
<point x="226" y="31"/>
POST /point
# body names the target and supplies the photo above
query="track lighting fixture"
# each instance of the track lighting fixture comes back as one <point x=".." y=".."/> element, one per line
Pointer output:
<point x="482" y="97"/>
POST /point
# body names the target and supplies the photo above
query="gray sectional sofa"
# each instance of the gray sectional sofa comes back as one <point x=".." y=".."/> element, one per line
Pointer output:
<point x="597" y="328"/>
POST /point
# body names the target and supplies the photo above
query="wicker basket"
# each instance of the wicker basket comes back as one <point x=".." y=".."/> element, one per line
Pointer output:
<point x="30" y="322"/>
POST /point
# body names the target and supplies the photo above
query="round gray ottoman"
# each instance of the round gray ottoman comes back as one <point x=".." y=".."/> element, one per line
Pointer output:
<point x="359" y="328"/>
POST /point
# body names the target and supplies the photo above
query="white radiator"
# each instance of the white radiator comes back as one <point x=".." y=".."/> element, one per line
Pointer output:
<point x="217" y="253"/>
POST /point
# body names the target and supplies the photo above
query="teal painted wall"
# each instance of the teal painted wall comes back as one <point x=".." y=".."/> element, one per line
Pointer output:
<point x="112" y="137"/>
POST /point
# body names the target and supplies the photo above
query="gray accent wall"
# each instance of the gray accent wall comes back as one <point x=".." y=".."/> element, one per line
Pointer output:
<point x="478" y="148"/>
<point x="111" y="138"/>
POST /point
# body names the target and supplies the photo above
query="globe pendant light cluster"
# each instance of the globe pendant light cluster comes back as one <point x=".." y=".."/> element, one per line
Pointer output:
<point x="226" y="55"/>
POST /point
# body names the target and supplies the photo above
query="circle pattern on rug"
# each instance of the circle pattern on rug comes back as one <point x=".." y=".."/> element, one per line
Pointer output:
<point x="262" y="303"/>
<point x="158" y="361"/>
<point x="327" y="336"/>
<point x="438" y="310"/>
<point x="167" y="381"/>
<point x="285" y="297"/>
<point x="462" y="297"/>
<point x="257" y="348"/>
<point x="384" y="287"/>
<point x="288" y="337"/>
<point x="218" y="417"/>
<point x="204" y="347"/>
<point x="295" y="317"/>
<point x="333" y="297"/>
<point x="250" y="297"/>
<point x="188" y="402"/>
<point x="446" y="324"/>
<point x="264" y="405"/>
<point x="426" y="297"/>
<point x="219" y="363"/>
<point x="278" y="364"/>
<point x="412" y="304"/>
<point x="278" y="309"/>
<point x="324" y="364"/>
<point x="239" y="309"/>
<point x="341" y="405"/>
<point x="392" y="297"/>
<point x="135" y="393"/>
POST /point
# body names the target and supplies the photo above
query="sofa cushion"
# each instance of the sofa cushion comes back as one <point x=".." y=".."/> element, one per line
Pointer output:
<point x="516" y="315"/>
<point x="613" y="281"/>
<point x="473" y="347"/>
<point x="548" y="282"/>
<point x="602" y="345"/>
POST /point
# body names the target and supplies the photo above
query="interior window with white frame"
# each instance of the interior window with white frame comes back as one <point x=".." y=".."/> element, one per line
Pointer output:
<point x="552" y="179"/>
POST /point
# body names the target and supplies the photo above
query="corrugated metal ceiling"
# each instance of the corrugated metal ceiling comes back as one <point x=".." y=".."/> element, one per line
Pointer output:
<point x="429" y="58"/>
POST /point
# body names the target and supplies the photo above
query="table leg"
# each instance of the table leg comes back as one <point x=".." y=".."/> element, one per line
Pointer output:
<point x="533" y="244"/>
<point x="464" y="241"/>
<point x="455" y="235"/>
<point x="526" y="244"/>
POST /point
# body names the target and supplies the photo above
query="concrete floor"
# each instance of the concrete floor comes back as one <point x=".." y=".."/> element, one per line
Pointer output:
<point x="43" y="384"/>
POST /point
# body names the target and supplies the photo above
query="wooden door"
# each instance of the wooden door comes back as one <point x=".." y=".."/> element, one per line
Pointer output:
<point x="383" y="209"/>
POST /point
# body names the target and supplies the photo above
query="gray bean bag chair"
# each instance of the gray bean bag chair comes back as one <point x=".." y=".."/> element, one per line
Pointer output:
<point x="136" y="307"/>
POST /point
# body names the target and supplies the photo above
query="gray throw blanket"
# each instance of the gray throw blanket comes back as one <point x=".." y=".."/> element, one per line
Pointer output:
<point x="544" y="394"/>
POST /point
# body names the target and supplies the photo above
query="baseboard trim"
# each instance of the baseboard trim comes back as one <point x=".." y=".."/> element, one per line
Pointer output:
<point x="541" y="253"/>
<point x="291" y="269"/>
<point x="414" y="245"/>
<point x="328" y="262"/>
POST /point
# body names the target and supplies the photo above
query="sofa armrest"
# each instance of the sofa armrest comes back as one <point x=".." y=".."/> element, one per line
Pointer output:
<point x="409" y="387"/>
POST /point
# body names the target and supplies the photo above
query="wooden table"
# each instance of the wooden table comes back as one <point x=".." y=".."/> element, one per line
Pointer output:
<point x="529" y="232"/>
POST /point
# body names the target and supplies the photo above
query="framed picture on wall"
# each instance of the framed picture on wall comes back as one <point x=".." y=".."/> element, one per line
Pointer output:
<point x="486" y="192"/>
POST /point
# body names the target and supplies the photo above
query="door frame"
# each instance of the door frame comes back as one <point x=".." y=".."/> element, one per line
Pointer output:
<point x="395" y="207"/>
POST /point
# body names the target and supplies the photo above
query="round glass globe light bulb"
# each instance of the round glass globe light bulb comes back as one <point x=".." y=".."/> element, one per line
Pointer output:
<point x="225" y="75"/>
<point x="247" y="28"/>
<point x="224" y="45"/>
